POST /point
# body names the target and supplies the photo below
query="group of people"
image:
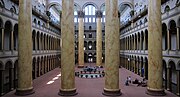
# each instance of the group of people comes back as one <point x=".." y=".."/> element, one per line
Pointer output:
<point x="136" y="81"/>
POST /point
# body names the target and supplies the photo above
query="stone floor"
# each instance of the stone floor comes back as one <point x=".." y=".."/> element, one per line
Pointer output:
<point x="45" y="87"/>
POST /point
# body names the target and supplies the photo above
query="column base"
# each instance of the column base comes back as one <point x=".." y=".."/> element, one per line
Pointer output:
<point x="112" y="93"/>
<point x="80" y="66"/>
<point x="67" y="93"/>
<point x="24" y="92"/>
<point x="155" y="92"/>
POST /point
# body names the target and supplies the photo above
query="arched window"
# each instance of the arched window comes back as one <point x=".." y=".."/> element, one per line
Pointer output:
<point x="90" y="10"/>
<point x="167" y="8"/>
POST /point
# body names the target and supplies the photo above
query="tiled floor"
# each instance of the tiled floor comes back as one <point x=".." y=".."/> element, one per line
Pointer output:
<point x="85" y="87"/>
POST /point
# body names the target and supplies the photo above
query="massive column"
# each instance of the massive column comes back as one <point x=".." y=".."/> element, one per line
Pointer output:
<point x="112" y="47"/>
<point x="155" y="73"/>
<point x="81" y="39"/>
<point x="67" y="52"/>
<point x="25" y="49"/>
<point x="99" y="38"/>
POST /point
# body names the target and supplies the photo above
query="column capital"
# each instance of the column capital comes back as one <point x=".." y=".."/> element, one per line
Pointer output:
<point x="99" y="14"/>
<point x="80" y="14"/>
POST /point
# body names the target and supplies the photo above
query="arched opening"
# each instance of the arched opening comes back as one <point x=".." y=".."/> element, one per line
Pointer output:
<point x="34" y="68"/>
<point x="15" y="74"/>
<point x="103" y="58"/>
<point x="85" y="45"/>
<point x="35" y="21"/>
<point x="76" y="45"/>
<point x="164" y="74"/>
<point x="76" y="58"/>
<point x="173" y="77"/>
<point x="138" y="66"/>
<point x="38" y="67"/>
<point x="142" y="67"/>
<point x="15" y="36"/>
<point x="1" y="27"/>
<point x="136" y="42"/>
<point x="8" y="77"/>
<point x="126" y="12"/>
<point x="142" y="38"/>
<point x="38" y="42"/>
<point x="41" y="66"/>
<point x="85" y="57"/>
<point x="172" y="35"/>
<point x="90" y="45"/>
<point x="94" y="58"/>
<point x="146" y="39"/>
<point x="139" y="43"/>
<point x="55" y="10"/>
<point x="90" y="58"/>
<point x="146" y="68"/>
<point x="7" y="35"/>
<point x="33" y="39"/>
<point x="2" y="4"/>
<point x="94" y="45"/>
<point x="164" y="36"/>
<point x="167" y="9"/>
<point x="1" y="78"/>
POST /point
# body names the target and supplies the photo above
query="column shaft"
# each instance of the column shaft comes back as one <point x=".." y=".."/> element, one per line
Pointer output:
<point x="144" y="47"/>
<point x="168" y="39"/>
<point x="112" y="47"/>
<point x="67" y="87"/>
<point x="12" y="40"/>
<point x="155" y="73"/>
<point x="2" y="39"/>
<point x="99" y="42"/>
<point x="25" y="48"/>
<point x="178" y="46"/>
<point x="81" y="43"/>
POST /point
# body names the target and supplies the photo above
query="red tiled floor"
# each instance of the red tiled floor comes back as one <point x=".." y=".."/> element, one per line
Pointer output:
<point x="86" y="87"/>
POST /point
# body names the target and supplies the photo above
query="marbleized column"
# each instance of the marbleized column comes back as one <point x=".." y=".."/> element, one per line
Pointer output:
<point x="99" y="38"/>
<point x="67" y="87"/>
<point x="155" y="68"/>
<point x="81" y="40"/>
<point x="25" y="49"/>
<point x="112" y="47"/>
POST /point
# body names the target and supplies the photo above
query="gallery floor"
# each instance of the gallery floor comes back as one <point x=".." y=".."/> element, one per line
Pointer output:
<point x="48" y="86"/>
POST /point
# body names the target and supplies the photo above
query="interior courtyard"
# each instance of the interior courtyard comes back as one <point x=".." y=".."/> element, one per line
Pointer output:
<point x="89" y="48"/>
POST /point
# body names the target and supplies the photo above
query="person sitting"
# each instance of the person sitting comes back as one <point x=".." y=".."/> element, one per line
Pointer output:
<point x="126" y="82"/>
<point x="136" y="81"/>
<point x="129" y="79"/>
